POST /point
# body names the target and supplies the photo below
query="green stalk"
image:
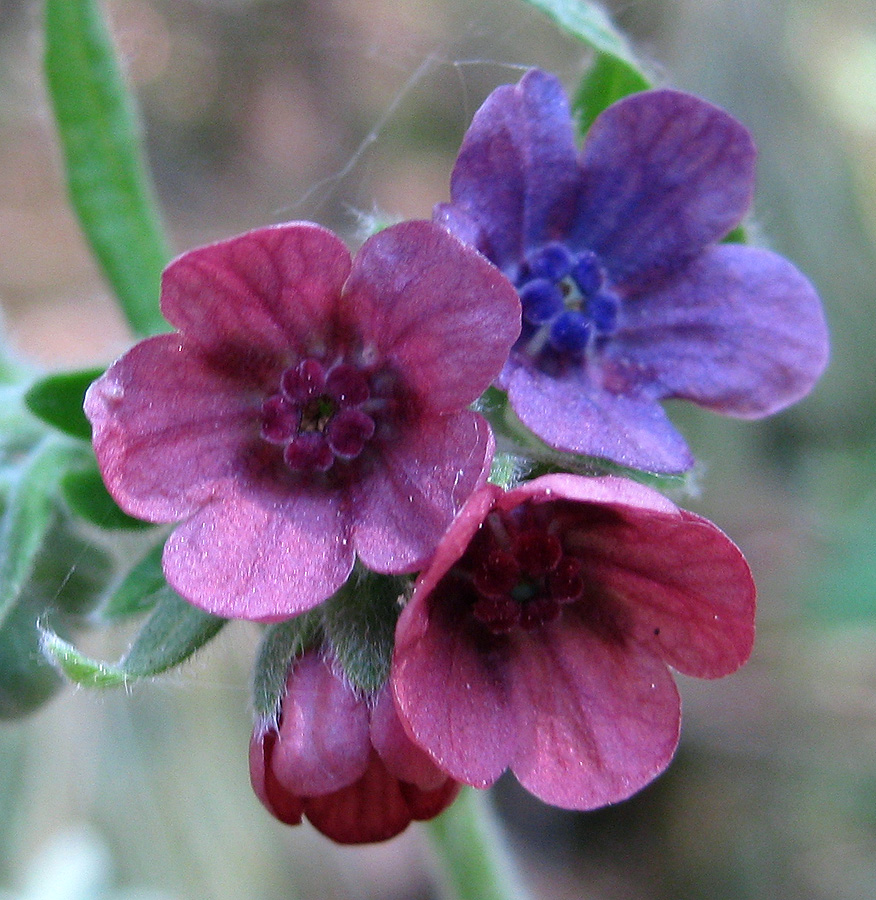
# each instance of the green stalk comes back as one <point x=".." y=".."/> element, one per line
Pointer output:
<point x="473" y="858"/>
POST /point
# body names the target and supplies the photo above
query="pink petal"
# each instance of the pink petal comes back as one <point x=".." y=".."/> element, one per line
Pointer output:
<point x="404" y="505"/>
<point x="434" y="307"/>
<point x="169" y="430"/>
<point x="266" y="552"/>
<point x="401" y="756"/>
<point x="323" y="743"/>
<point x="596" y="720"/>
<point x="683" y="585"/>
<point x="372" y="809"/>
<point x="286" y="807"/>
<point x="453" y="694"/>
<point x="686" y="588"/>
<point x="272" y="289"/>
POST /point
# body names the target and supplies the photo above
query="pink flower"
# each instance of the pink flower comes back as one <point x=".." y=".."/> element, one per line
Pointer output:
<point x="541" y="637"/>
<point x="344" y="763"/>
<point x="309" y="409"/>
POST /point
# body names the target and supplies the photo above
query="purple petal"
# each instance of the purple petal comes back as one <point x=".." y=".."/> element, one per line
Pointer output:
<point x="739" y="331"/>
<point x="266" y="552"/>
<point x="434" y="307"/>
<point x="324" y="742"/>
<point x="595" y="719"/>
<point x="575" y="414"/>
<point x="516" y="173"/>
<point x="665" y="174"/>
<point x="169" y="430"/>
<point x="271" y="290"/>
<point x="405" y="504"/>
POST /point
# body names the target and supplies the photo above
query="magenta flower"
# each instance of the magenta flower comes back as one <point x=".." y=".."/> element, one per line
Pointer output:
<point x="541" y="637"/>
<point x="628" y="299"/>
<point x="308" y="410"/>
<point x="344" y="763"/>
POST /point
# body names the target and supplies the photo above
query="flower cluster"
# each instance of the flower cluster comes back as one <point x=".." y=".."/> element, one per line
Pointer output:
<point x="313" y="412"/>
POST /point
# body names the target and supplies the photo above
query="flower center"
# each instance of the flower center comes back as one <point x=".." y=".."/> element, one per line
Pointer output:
<point x="319" y="415"/>
<point x="521" y="575"/>
<point x="567" y="304"/>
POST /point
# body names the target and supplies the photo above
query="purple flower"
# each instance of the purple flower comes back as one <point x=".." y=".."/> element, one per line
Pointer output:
<point x="309" y="409"/>
<point x="541" y="636"/>
<point x="344" y="763"/>
<point x="628" y="298"/>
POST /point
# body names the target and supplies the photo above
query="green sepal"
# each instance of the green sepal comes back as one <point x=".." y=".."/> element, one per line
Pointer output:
<point x="140" y="590"/>
<point x="57" y="399"/>
<point x="106" y="177"/>
<point x="173" y="632"/>
<point x="615" y="71"/>
<point x="282" y="644"/>
<point x="29" y="513"/>
<point x="609" y="79"/>
<point x="88" y="498"/>
<point x="360" y="623"/>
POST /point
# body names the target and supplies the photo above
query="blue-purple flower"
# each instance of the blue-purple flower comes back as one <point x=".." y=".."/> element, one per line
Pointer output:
<point x="629" y="298"/>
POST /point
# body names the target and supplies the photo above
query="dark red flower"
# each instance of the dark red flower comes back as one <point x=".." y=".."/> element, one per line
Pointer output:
<point x="308" y="410"/>
<point x="342" y="762"/>
<point x="541" y="637"/>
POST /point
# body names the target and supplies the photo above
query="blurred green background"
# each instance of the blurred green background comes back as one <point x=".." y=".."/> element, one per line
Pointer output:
<point x="332" y="109"/>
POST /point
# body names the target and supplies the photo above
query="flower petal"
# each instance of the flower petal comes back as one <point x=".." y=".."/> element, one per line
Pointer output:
<point x="323" y="742"/>
<point x="264" y="553"/>
<point x="516" y="171"/>
<point x="665" y="174"/>
<point x="168" y="428"/>
<point x="376" y="808"/>
<point x="453" y="693"/>
<point x="573" y="413"/>
<point x="272" y="289"/>
<point x="683" y="585"/>
<point x="436" y="308"/>
<point x="405" y="503"/>
<point x="286" y="807"/>
<point x="739" y="331"/>
<point x="401" y="756"/>
<point x="597" y="719"/>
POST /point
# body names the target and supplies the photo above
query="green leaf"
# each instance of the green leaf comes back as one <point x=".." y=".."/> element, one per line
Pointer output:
<point x="282" y="643"/>
<point x="106" y="177"/>
<point x="88" y="498"/>
<point x="615" y="71"/>
<point x="27" y="679"/>
<point x="171" y="634"/>
<point x="57" y="400"/>
<point x="360" y="626"/>
<point x="169" y="637"/>
<point x="29" y="515"/>
<point x="140" y="589"/>
<point x="608" y="80"/>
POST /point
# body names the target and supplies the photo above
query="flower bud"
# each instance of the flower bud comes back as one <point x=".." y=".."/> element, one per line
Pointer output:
<point x="342" y="760"/>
